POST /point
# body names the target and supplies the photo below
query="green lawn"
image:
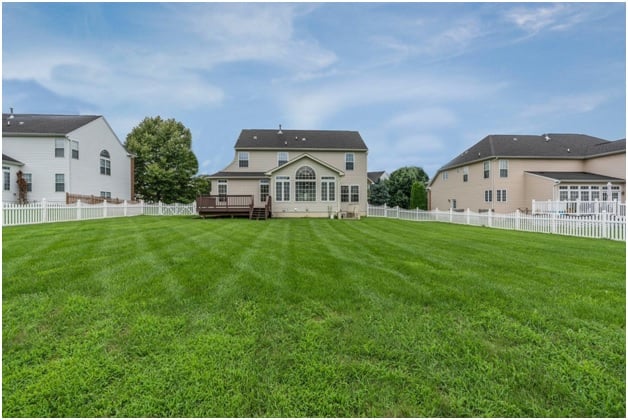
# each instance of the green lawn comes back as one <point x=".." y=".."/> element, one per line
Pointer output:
<point x="177" y="316"/>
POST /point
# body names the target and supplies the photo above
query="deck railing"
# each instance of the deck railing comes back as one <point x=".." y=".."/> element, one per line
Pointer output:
<point x="224" y="202"/>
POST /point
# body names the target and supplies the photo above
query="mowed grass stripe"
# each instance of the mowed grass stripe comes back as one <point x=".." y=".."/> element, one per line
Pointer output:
<point x="177" y="316"/>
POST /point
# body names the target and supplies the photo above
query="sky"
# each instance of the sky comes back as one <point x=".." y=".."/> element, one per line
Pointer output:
<point x="421" y="82"/>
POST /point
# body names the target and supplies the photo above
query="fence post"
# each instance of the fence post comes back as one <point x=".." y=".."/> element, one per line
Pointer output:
<point x="125" y="208"/>
<point x="604" y="224"/>
<point x="533" y="206"/>
<point x="44" y="211"/>
<point x="78" y="210"/>
<point x="104" y="208"/>
<point x="451" y="215"/>
<point x="490" y="218"/>
<point x="397" y="212"/>
<point x="161" y="208"/>
<point x="518" y="219"/>
<point x="553" y="223"/>
<point x="468" y="214"/>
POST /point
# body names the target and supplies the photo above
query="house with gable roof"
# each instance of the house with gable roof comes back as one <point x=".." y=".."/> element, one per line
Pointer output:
<point x="504" y="173"/>
<point x="64" y="154"/>
<point x="306" y="173"/>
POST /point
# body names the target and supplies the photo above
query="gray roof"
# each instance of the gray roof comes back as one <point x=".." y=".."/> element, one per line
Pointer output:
<point x="577" y="176"/>
<point x="555" y="146"/>
<point x="375" y="176"/>
<point x="300" y="139"/>
<point x="24" y="124"/>
<point x="7" y="158"/>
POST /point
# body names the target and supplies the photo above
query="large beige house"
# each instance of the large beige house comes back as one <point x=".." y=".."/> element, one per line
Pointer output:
<point x="504" y="173"/>
<point x="307" y="173"/>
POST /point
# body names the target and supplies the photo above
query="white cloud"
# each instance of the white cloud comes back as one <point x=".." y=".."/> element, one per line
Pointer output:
<point x="425" y="117"/>
<point x="568" y="104"/>
<point x="556" y="17"/>
<point x="312" y="105"/>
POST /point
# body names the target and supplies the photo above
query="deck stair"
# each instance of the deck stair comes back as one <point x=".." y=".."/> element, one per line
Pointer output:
<point x="259" y="213"/>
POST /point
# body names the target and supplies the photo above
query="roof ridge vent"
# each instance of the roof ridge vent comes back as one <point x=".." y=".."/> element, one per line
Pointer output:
<point x="547" y="137"/>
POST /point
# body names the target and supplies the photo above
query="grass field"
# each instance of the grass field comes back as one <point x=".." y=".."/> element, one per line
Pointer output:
<point x="177" y="316"/>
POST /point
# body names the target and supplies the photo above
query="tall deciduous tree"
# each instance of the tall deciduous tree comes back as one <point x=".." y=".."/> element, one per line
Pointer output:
<point x="400" y="185"/>
<point x="165" y="165"/>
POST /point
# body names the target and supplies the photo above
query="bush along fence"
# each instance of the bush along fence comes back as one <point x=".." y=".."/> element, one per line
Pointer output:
<point x="602" y="225"/>
<point x="45" y="212"/>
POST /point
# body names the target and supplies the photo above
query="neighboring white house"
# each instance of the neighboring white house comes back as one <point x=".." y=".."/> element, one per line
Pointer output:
<point x="59" y="154"/>
<point x="307" y="173"/>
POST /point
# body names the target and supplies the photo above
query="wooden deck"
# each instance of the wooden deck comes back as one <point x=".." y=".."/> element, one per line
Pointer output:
<point x="232" y="205"/>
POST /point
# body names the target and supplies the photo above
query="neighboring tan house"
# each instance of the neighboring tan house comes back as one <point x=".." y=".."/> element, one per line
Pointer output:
<point x="506" y="172"/>
<point x="59" y="154"/>
<point x="307" y="173"/>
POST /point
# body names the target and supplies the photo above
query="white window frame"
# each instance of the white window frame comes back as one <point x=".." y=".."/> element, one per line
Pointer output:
<point x="264" y="189"/>
<point x="6" y="178"/>
<point x="465" y="174"/>
<point x="305" y="184"/>
<point x="29" y="181"/>
<point x="243" y="159"/>
<point x="282" y="158"/>
<point x="105" y="163"/>
<point x="345" y="194"/>
<point x="59" y="182"/>
<point x="75" y="149"/>
<point x="488" y="196"/>
<point x="328" y="188"/>
<point x="349" y="161"/>
<point x="59" y="148"/>
<point x="501" y="196"/>
<point x="223" y="187"/>
<point x="282" y="188"/>
<point x="503" y="168"/>
<point x="445" y="175"/>
<point x="354" y="191"/>
<point x="487" y="169"/>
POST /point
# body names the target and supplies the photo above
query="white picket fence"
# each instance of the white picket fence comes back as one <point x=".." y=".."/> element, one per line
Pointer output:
<point x="47" y="212"/>
<point x="579" y="207"/>
<point x="603" y="225"/>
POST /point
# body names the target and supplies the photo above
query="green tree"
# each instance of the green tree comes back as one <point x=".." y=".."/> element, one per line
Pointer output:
<point x="378" y="194"/>
<point x="418" y="196"/>
<point x="400" y="185"/>
<point x="165" y="165"/>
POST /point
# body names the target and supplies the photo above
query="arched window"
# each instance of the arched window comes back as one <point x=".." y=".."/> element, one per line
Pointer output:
<point x="305" y="184"/>
<point x="105" y="163"/>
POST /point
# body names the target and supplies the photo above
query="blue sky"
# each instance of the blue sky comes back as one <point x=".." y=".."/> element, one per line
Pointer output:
<point x="420" y="81"/>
